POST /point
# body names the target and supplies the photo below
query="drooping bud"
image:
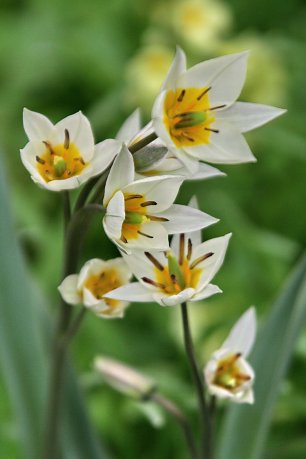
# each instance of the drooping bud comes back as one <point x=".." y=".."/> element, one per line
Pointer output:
<point x="190" y="119"/>
<point x="175" y="270"/>
<point x="124" y="378"/>
<point x="60" y="165"/>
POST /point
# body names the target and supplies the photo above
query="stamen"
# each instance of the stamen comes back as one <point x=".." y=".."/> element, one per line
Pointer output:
<point x="49" y="146"/>
<point x="148" y="203"/>
<point x="153" y="260"/>
<point x="124" y="239"/>
<point x="152" y="282"/>
<point x="67" y="139"/>
<point x="181" y="96"/>
<point x="212" y="130"/>
<point x="203" y="93"/>
<point x="182" y="248"/>
<point x="133" y="196"/>
<point x="144" y="234"/>
<point x="189" y="253"/>
<point x="79" y="159"/>
<point x="183" y="134"/>
<point x="40" y="160"/>
<point x="243" y="377"/>
<point x="216" y="107"/>
<point x="200" y="259"/>
<point x="153" y="218"/>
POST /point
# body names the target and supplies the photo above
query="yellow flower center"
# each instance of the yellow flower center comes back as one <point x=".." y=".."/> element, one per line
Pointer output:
<point x="178" y="274"/>
<point x="187" y="116"/>
<point x="60" y="162"/>
<point x="229" y="375"/>
<point x="170" y="282"/>
<point x="100" y="284"/>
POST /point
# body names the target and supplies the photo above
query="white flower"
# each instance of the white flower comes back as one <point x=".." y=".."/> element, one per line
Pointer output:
<point x="181" y="274"/>
<point x="96" y="278"/>
<point x="123" y="378"/>
<point x="196" y="116"/>
<point x="63" y="156"/>
<point x="228" y="375"/>
<point x="140" y="214"/>
<point x="166" y="163"/>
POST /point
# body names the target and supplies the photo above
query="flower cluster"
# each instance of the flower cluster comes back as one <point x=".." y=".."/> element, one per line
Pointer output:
<point x="195" y="120"/>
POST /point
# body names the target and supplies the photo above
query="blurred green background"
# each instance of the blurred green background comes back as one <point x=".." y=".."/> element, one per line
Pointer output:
<point x="106" y="58"/>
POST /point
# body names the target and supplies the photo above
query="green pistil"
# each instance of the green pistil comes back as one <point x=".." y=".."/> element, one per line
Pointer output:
<point x="134" y="218"/>
<point x="190" y="119"/>
<point x="60" y="165"/>
<point x="175" y="270"/>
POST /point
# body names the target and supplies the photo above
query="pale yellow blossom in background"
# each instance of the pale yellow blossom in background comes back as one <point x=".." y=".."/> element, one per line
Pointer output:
<point x="144" y="75"/>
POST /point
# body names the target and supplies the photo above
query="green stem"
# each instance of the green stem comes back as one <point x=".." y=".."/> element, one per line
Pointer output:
<point x="199" y="385"/>
<point x="179" y="416"/>
<point x="74" y="234"/>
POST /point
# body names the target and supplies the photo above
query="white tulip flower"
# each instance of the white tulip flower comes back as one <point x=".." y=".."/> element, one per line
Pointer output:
<point x="228" y="375"/>
<point x="63" y="156"/>
<point x="181" y="274"/>
<point x="196" y="115"/>
<point x="140" y="214"/>
<point x="96" y="278"/>
<point x="131" y="132"/>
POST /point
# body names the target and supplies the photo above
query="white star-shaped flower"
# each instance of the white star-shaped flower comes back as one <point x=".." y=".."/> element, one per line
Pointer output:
<point x="196" y="115"/>
<point x="140" y="214"/>
<point x="63" y="156"/>
<point x="227" y="374"/>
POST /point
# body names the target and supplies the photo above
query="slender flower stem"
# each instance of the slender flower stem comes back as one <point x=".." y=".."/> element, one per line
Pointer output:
<point x="179" y="416"/>
<point x="74" y="234"/>
<point x="199" y="385"/>
<point x="73" y="329"/>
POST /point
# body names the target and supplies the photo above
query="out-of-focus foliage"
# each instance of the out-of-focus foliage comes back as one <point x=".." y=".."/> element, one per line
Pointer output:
<point x="106" y="57"/>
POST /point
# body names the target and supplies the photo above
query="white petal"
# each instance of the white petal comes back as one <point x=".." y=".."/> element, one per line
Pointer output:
<point x="183" y="219"/>
<point x="178" y="66"/>
<point x="245" y="116"/>
<point x="90" y="268"/>
<point x="134" y="292"/>
<point x="173" y="300"/>
<point x="226" y="76"/>
<point x="207" y="292"/>
<point x="162" y="190"/>
<point x="242" y="335"/>
<point x="90" y="301"/>
<point x="140" y="265"/>
<point x="194" y="236"/>
<point x="205" y="172"/>
<point x="69" y="291"/>
<point x="247" y="397"/>
<point x="28" y="158"/>
<point x="227" y="147"/>
<point x="80" y="134"/>
<point x="121" y="174"/>
<point x="190" y="162"/>
<point x="130" y="127"/>
<point x="211" y="265"/>
<point x="144" y="132"/>
<point x="115" y="216"/>
<point x="37" y="126"/>
<point x="157" y="120"/>
<point x="158" y="239"/>
<point x="104" y="153"/>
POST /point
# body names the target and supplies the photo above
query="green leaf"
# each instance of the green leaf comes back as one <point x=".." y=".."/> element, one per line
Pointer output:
<point x="24" y="326"/>
<point x="246" y="427"/>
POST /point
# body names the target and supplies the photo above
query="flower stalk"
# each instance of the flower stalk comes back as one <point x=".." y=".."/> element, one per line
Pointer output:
<point x="199" y="386"/>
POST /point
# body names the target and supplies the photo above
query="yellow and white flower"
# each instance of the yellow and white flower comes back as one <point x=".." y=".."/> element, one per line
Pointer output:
<point x="155" y="157"/>
<point x="228" y="375"/>
<point x="63" y="156"/>
<point x="140" y="214"/>
<point x="96" y="278"/>
<point x="196" y="115"/>
<point x="181" y="274"/>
